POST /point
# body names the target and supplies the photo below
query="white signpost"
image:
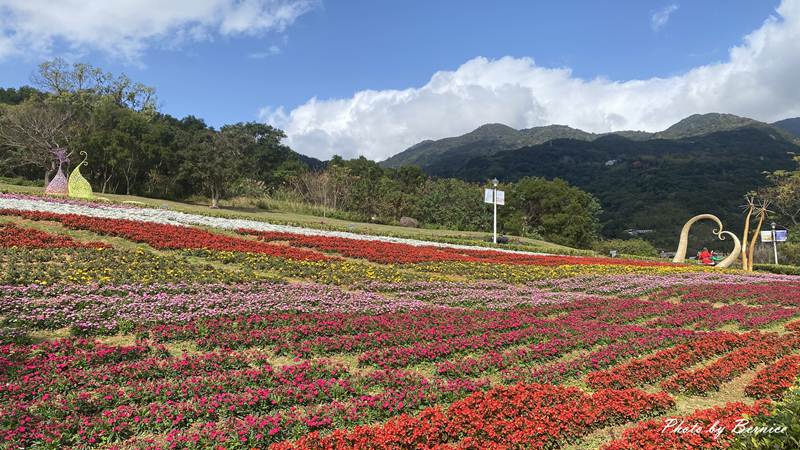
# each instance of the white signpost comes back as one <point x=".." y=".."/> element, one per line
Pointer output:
<point x="774" y="236"/>
<point x="488" y="196"/>
<point x="494" y="197"/>
<point x="780" y="236"/>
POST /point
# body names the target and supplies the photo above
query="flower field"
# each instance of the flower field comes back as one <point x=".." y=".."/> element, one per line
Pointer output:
<point x="134" y="328"/>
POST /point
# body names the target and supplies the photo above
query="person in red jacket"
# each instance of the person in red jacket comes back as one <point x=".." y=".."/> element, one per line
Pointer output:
<point x="705" y="257"/>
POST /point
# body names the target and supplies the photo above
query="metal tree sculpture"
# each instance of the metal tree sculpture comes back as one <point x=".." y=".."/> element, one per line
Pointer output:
<point x="749" y="208"/>
<point x="683" y="244"/>
<point x="58" y="185"/>
<point x="761" y="211"/>
<point x="78" y="186"/>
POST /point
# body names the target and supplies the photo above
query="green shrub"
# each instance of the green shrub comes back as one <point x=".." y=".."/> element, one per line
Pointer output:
<point x="790" y="253"/>
<point x="779" y="268"/>
<point x="636" y="247"/>
<point x="784" y="414"/>
<point x="19" y="181"/>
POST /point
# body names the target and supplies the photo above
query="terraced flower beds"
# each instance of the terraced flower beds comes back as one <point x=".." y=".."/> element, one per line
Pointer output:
<point x="175" y="336"/>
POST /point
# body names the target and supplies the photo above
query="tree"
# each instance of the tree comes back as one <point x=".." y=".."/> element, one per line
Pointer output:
<point x="326" y="189"/>
<point x="116" y="137"/>
<point x="214" y="162"/>
<point x="556" y="210"/>
<point x="31" y="130"/>
<point x="784" y="193"/>
<point x="365" y="191"/>
<point x="453" y="204"/>
<point x="268" y="160"/>
<point x="11" y="96"/>
<point x="62" y="79"/>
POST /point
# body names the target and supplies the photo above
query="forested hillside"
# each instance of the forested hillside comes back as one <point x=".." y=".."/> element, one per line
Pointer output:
<point x="652" y="184"/>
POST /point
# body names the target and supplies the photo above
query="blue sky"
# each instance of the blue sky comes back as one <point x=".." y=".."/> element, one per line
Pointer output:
<point x="244" y="69"/>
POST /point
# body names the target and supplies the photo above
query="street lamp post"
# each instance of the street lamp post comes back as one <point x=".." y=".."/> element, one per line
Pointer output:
<point x="494" y="203"/>
<point x="774" y="242"/>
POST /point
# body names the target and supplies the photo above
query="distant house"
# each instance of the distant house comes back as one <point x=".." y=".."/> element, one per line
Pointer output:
<point x="637" y="232"/>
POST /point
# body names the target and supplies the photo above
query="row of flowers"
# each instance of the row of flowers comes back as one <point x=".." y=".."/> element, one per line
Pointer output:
<point x="355" y="272"/>
<point x="706" y="315"/>
<point x="704" y="429"/>
<point x="15" y="236"/>
<point x="26" y="267"/>
<point x="332" y="271"/>
<point x="375" y="251"/>
<point x="765" y="348"/>
<point x="427" y="332"/>
<point x="666" y="362"/>
<point x="785" y="293"/>
<point x="645" y="341"/>
<point x="519" y="416"/>
<point x="719" y="286"/>
<point x="775" y="379"/>
<point x="166" y="236"/>
<point x="398" y="253"/>
<point x="522" y="274"/>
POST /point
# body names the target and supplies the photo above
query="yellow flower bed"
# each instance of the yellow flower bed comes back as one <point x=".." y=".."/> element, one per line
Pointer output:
<point x="105" y="266"/>
<point x="524" y="273"/>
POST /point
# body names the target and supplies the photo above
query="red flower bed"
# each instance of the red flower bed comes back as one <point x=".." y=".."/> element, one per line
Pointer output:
<point x="671" y="433"/>
<point x="397" y="253"/>
<point x="773" y="380"/>
<point x="520" y="416"/>
<point x="665" y="362"/>
<point x="14" y="236"/>
<point x="168" y="237"/>
<point x="764" y="348"/>
<point x="793" y="326"/>
<point x="376" y="251"/>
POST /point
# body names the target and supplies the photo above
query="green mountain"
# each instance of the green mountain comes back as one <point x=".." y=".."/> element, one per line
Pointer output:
<point x="654" y="184"/>
<point x="699" y="124"/>
<point x="789" y="125"/>
<point x="435" y="156"/>
<point x="486" y="139"/>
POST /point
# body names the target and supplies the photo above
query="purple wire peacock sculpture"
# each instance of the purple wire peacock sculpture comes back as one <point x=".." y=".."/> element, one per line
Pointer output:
<point x="59" y="185"/>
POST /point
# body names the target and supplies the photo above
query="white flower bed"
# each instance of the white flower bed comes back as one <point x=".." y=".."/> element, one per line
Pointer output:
<point x="166" y="216"/>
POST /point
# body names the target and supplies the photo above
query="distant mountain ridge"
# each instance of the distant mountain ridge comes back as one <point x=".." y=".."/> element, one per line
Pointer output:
<point x="789" y="125"/>
<point x="492" y="138"/>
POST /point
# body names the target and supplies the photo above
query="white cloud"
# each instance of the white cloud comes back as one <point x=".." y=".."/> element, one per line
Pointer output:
<point x="759" y="80"/>
<point x="660" y="18"/>
<point x="126" y="28"/>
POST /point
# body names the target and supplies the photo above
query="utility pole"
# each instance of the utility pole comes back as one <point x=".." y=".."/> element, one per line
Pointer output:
<point x="775" y="242"/>
<point x="494" y="202"/>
